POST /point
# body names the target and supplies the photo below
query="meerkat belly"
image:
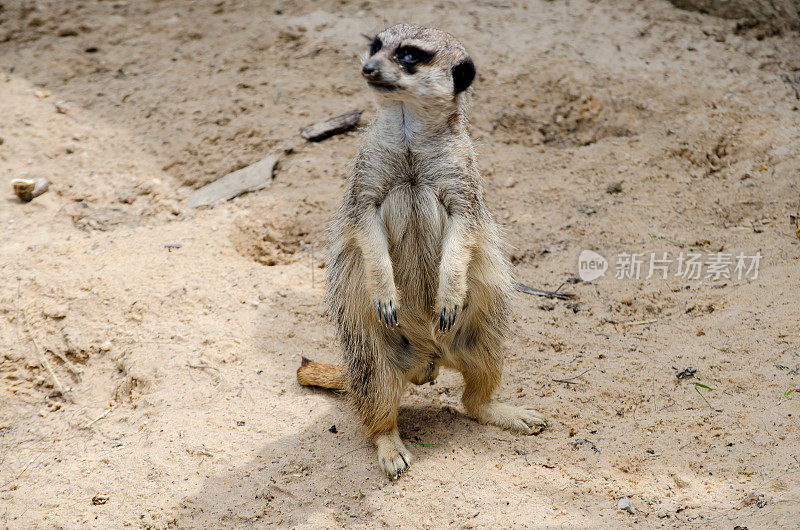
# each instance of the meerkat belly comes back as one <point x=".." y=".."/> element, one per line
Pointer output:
<point x="414" y="219"/>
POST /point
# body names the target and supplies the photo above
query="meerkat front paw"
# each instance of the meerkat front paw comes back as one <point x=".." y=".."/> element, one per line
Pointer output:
<point x="450" y="300"/>
<point x="387" y="311"/>
<point x="447" y="316"/>
<point x="393" y="456"/>
<point x="524" y="420"/>
<point x="384" y="296"/>
<point x="450" y="307"/>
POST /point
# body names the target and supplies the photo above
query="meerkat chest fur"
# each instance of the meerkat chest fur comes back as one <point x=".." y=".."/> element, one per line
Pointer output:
<point x="422" y="160"/>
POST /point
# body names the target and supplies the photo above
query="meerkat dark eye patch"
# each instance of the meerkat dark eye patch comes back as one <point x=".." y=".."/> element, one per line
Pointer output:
<point x="463" y="75"/>
<point x="410" y="57"/>
<point x="376" y="46"/>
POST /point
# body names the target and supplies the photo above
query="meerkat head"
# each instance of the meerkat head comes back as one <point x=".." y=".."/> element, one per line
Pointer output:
<point x="412" y="63"/>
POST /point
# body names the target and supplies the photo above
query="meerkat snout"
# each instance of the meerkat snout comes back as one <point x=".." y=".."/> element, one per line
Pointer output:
<point x="370" y="69"/>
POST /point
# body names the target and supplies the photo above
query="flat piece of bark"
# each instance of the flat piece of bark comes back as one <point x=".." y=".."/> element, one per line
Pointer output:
<point x="327" y="128"/>
<point x="251" y="178"/>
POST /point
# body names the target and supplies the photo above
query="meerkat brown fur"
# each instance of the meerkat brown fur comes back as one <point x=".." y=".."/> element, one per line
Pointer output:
<point x="417" y="276"/>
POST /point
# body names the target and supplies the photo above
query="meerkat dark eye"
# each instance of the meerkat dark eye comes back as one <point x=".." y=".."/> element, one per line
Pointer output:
<point x="410" y="56"/>
<point x="376" y="46"/>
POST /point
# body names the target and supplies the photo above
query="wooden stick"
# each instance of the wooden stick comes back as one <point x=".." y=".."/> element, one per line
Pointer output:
<point x="335" y="125"/>
<point x="640" y="322"/>
<point x="541" y="292"/>
<point x="71" y="367"/>
<point x="42" y="358"/>
<point x="569" y="379"/>
<point x="100" y="417"/>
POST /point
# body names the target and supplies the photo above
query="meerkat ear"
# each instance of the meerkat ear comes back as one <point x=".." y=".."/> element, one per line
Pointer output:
<point x="463" y="75"/>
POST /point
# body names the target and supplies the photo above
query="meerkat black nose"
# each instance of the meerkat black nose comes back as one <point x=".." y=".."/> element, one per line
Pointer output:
<point x="370" y="69"/>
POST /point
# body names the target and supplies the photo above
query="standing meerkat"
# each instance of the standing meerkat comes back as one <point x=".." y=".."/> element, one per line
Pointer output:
<point x="417" y="276"/>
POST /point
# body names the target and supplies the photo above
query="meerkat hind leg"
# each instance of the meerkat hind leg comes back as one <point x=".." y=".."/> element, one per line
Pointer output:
<point x="377" y="399"/>
<point x="393" y="457"/>
<point x="480" y="384"/>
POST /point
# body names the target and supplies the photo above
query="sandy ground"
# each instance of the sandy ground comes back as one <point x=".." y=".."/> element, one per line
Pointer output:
<point x="179" y="404"/>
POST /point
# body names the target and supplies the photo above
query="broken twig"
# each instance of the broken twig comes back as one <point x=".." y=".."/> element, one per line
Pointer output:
<point x="40" y="354"/>
<point x="77" y="372"/>
<point x="569" y="380"/>
<point x="100" y="417"/>
<point x="327" y="128"/>
<point x="541" y="292"/>
<point x="640" y="322"/>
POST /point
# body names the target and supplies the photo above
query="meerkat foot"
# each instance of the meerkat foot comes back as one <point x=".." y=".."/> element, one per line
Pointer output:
<point x="393" y="456"/>
<point x="524" y="420"/>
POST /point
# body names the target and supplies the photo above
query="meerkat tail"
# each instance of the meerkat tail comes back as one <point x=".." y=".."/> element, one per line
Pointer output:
<point x="323" y="375"/>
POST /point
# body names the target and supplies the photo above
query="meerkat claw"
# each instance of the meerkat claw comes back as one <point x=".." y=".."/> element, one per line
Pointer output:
<point x="380" y="312"/>
<point x="447" y="318"/>
<point x="387" y="313"/>
<point x="453" y="317"/>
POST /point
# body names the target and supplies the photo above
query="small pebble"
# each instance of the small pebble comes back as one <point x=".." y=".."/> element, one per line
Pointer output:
<point x="62" y="107"/>
<point x="626" y="506"/>
<point x="100" y="498"/>
<point x="56" y="311"/>
<point x="67" y="31"/>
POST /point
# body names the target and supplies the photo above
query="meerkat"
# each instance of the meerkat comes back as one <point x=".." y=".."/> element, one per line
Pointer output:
<point x="417" y="277"/>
